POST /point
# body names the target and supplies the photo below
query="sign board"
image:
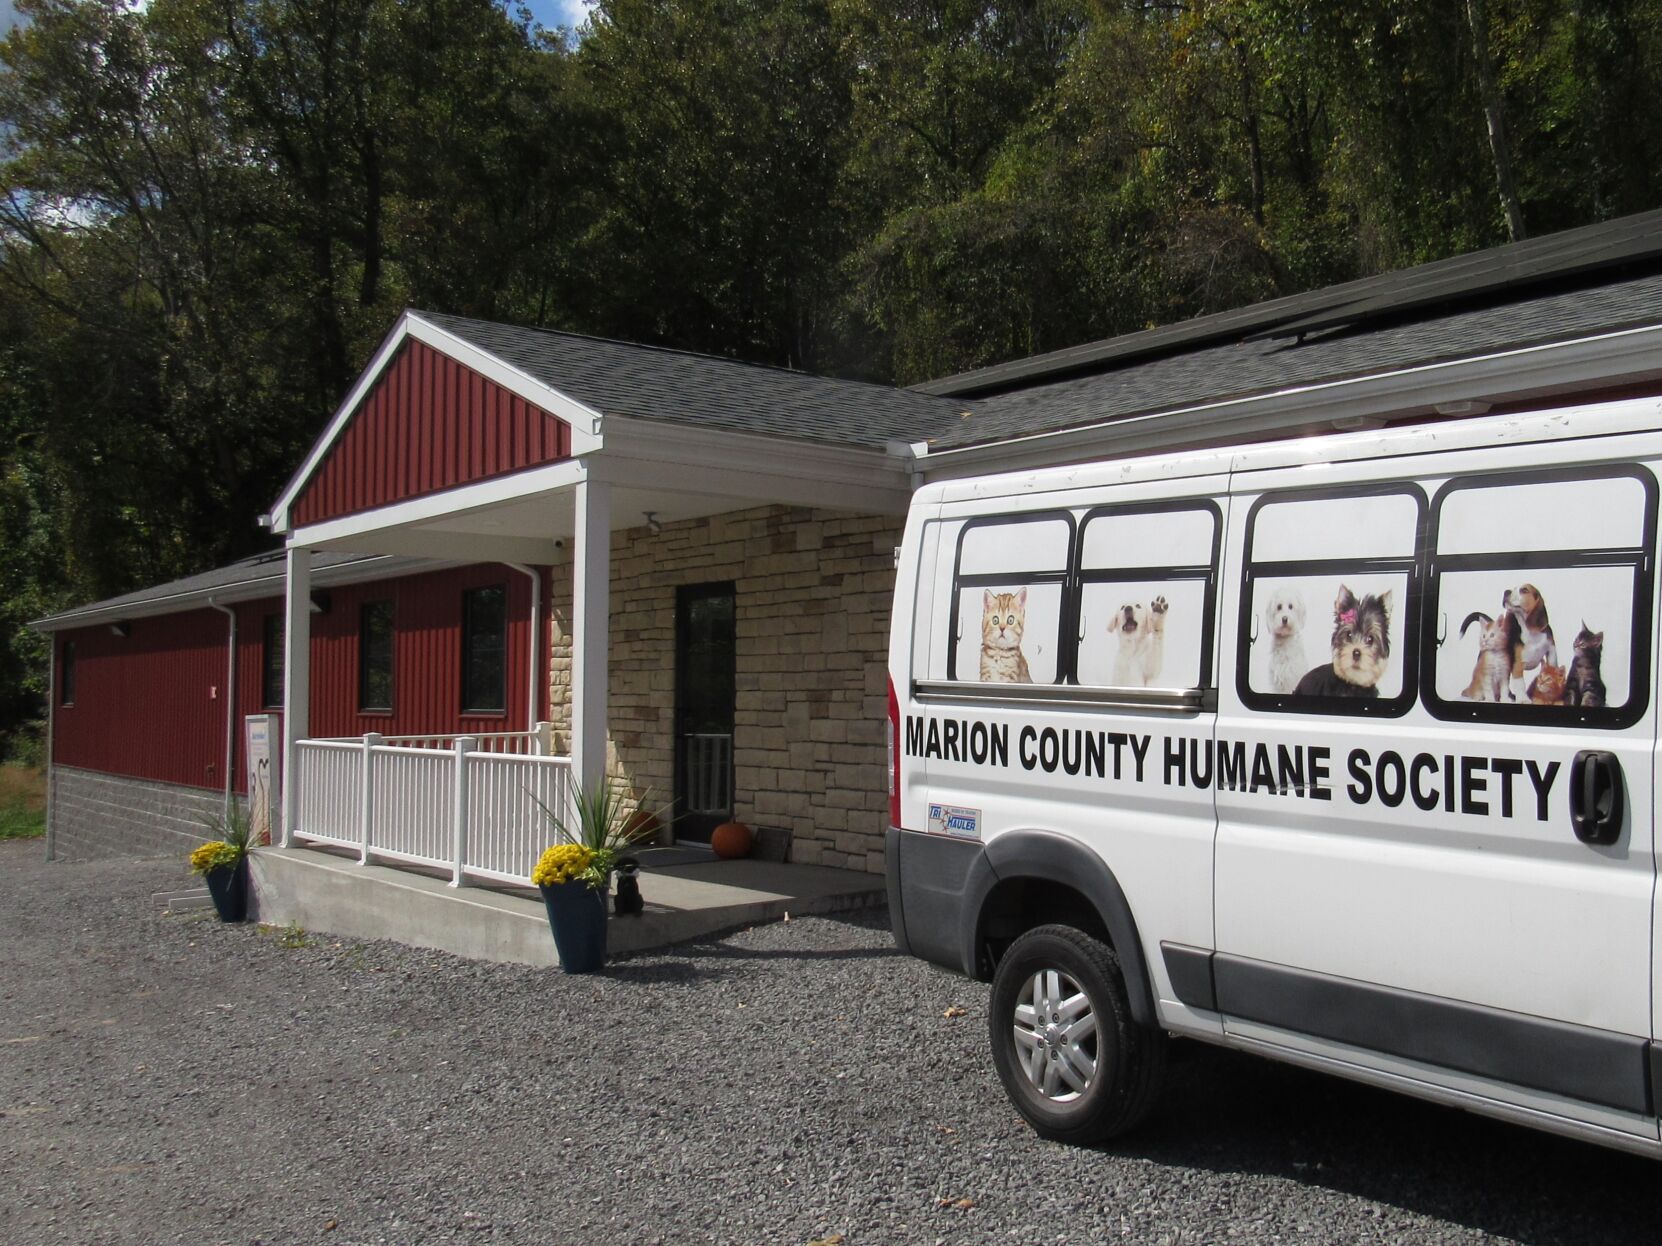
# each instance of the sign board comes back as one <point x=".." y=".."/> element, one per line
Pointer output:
<point x="263" y="736"/>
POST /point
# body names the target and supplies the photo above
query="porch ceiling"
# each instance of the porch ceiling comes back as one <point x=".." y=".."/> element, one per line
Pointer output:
<point x="672" y="472"/>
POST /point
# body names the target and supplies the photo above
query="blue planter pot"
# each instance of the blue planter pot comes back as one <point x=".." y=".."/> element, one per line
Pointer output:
<point x="577" y="916"/>
<point x="228" y="885"/>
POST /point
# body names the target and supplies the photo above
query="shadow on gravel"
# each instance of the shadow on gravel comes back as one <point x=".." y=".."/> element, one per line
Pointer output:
<point x="1230" y="1113"/>
<point x="694" y="961"/>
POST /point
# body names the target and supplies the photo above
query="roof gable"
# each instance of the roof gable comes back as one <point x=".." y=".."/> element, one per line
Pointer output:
<point x="430" y="413"/>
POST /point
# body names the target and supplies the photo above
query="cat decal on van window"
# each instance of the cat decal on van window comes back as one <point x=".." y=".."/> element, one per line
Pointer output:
<point x="1517" y="658"/>
<point x="1499" y="645"/>
<point x="1583" y="686"/>
<point x="1361" y="647"/>
<point x="1003" y="618"/>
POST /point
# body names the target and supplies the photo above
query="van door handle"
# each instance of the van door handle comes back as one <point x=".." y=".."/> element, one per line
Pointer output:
<point x="1596" y="803"/>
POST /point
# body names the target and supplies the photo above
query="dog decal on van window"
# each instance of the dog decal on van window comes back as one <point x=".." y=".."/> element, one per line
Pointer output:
<point x="1003" y="616"/>
<point x="1141" y="632"/>
<point x="1535" y="643"/>
<point x="1284" y="621"/>
<point x="1361" y="648"/>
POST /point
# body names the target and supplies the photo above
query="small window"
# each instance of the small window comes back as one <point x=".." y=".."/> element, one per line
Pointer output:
<point x="66" y="690"/>
<point x="1329" y="600"/>
<point x="1008" y="599"/>
<point x="1146" y="595"/>
<point x="484" y="650"/>
<point x="1540" y="588"/>
<point x="271" y="662"/>
<point x="375" y="650"/>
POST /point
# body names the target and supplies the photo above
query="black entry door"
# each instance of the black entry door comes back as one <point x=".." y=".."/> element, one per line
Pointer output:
<point x="704" y="698"/>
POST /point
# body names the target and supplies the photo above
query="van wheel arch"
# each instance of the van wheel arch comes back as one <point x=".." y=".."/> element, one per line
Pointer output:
<point x="1025" y="879"/>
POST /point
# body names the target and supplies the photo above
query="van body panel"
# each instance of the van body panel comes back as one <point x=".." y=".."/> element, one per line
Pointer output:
<point x="1386" y="807"/>
<point x="1438" y="855"/>
<point x="1004" y="758"/>
<point x="934" y="880"/>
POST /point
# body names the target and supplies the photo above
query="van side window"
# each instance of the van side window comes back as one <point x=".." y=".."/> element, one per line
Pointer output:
<point x="1540" y="592"/>
<point x="1330" y="601"/>
<point x="1009" y="582"/>
<point x="1147" y="582"/>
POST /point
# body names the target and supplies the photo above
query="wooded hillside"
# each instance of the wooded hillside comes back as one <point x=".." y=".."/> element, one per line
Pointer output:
<point x="213" y="209"/>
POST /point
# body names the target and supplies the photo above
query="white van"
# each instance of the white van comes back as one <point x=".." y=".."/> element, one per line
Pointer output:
<point x="1337" y="750"/>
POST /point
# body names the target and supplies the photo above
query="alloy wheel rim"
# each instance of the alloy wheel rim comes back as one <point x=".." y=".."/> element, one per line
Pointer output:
<point x="1055" y="1034"/>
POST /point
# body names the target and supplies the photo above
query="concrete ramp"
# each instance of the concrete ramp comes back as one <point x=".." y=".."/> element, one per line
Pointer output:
<point x="323" y="892"/>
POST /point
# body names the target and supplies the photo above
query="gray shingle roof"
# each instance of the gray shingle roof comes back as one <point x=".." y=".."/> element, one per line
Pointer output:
<point x="1217" y="372"/>
<point x="1489" y="273"/>
<point x="675" y="386"/>
<point x="250" y="579"/>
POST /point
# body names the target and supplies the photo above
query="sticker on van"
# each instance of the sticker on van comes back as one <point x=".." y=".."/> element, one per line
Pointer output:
<point x="955" y="820"/>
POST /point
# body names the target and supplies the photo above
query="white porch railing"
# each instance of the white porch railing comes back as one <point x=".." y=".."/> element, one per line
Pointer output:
<point x="532" y="742"/>
<point x="462" y="808"/>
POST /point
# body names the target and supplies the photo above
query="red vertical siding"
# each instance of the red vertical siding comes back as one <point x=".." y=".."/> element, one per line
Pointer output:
<point x="152" y="705"/>
<point x="428" y="424"/>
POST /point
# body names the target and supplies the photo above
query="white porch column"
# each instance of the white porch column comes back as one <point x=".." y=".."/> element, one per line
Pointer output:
<point x="590" y="615"/>
<point x="297" y="681"/>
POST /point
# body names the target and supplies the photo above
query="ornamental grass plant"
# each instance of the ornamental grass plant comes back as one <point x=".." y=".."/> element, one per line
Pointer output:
<point x="596" y="820"/>
<point x="233" y="829"/>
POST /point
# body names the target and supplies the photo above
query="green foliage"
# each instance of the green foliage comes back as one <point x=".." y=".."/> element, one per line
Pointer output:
<point x="22" y="802"/>
<point x="211" y="210"/>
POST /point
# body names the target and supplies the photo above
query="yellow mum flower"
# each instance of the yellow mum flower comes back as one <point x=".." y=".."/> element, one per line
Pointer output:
<point x="561" y="864"/>
<point x="213" y="855"/>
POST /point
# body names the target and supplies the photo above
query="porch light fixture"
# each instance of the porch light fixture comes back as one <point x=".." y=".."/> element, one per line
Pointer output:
<point x="321" y="602"/>
<point x="652" y="524"/>
<point x="121" y="628"/>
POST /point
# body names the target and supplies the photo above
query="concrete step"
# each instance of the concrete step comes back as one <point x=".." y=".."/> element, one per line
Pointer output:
<point x="323" y="892"/>
<point x="183" y="901"/>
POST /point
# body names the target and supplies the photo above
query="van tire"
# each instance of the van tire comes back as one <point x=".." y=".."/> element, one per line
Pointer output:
<point x="1129" y="1059"/>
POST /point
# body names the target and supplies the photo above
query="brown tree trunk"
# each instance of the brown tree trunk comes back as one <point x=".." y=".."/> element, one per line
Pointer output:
<point x="1494" y="112"/>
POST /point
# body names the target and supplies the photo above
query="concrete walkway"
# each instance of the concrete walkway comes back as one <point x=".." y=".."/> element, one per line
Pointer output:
<point x="321" y="891"/>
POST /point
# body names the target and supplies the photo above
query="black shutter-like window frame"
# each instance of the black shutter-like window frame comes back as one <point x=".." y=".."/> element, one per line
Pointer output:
<point x="485" y="650"/>
<point x="375" y="657"/>
<point x="271" y="661"/>
<point x="66" y="686"/>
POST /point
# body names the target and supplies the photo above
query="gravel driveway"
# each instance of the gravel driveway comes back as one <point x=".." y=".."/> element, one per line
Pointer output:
<point x="167" y="1079"/>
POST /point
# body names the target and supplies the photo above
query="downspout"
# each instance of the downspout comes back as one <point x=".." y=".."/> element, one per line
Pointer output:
<point x="534" y="691"/>
<point x="51" y="759"/>
<point x="230" y="701"/>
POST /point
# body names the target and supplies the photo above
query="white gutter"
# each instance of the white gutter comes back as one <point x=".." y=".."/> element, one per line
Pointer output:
<point x="536" y="641"/>
<point x="230" y="701"/>
<point x="1505" y="376"/>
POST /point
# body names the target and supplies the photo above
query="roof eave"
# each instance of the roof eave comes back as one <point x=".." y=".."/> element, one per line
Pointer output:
<point x="1519" y="374"/>
<point x="358" y="571"/>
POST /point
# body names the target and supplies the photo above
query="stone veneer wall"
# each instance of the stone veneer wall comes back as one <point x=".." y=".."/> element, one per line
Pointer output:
<point x="812" y="594"/>
<point x="95" y="816"/>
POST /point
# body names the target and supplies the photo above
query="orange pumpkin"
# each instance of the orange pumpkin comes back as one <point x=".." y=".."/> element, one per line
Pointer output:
<point x="731" y="839"/>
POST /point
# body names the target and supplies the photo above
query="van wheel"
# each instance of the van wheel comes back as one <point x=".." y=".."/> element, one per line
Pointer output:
<point x="1071" y="1058"/>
